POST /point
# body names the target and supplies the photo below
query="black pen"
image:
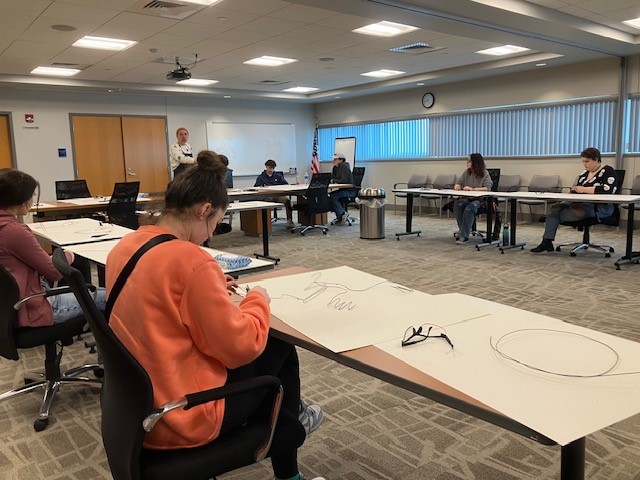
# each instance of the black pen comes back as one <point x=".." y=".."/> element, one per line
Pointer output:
<point x="99" y="235"/>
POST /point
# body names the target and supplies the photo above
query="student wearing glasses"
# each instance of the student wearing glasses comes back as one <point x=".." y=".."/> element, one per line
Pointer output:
<point x="596" y="178"/>
<point x="475" y="177"/>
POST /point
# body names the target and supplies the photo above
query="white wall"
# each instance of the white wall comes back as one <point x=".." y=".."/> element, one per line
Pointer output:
<point x="36" y="144"/>
<point x="546" y="84"/>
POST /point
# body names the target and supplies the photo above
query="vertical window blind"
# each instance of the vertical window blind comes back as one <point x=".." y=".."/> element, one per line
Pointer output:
<point x="633" y="125"/>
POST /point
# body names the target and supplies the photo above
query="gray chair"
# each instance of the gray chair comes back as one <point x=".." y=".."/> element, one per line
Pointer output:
<point x="444" y="181"/>
<point x="635" y="189"/>
<point x="508" y="183"/>
<point x="415" y="181"/>
<point x="541" y="183"/>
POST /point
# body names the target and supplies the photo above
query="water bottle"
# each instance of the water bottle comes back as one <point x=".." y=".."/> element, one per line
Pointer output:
<point x="506" y="237"/>
<point x="306" y="177"/>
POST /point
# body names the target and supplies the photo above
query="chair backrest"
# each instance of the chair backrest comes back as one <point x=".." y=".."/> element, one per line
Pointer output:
<point x="494" y="173"/>
<point x="319" y="179"/>
<point x="544" y="183"/>
<point x="122" y="205"/>
<point x="317" y="200"/>
<point x="67" y="189"/>
<point x="417" y="180"/>
<point x="444" y="181"/>
<point x="127" y="394"/>
<point x="620" y="174"/>
<point x="9" y="296"/>
<point x="614" y="219"/>
<point x="635" y="187"/>
<point x="358" y="176"/>
<point x="228" y="181"/>
<point x="509" y="183"/>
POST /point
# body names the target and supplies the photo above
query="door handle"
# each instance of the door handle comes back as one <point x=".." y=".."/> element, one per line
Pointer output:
<point x="130" y="173"/>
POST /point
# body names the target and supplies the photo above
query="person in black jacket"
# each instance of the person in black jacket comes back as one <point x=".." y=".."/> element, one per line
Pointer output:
<point x="268" y="178"/>
<point x="341" y="173"/>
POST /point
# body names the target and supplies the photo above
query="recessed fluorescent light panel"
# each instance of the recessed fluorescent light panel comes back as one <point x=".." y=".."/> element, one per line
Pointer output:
<point x="634" y="22"/>
<point x="202" y="2"/>
<point x="300" y="89"/>
<point x="504" y="50"/>
<point x="104" y="43"/>
<point x="197" y="82"/>
<point x="385" y="29"/>
<point x="55" y="72"/>
<point x="382" y="73"/>
<point x="268" y="61"/>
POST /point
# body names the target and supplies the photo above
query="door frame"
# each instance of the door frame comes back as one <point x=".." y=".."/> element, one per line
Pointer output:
<point x="12" y="138"/>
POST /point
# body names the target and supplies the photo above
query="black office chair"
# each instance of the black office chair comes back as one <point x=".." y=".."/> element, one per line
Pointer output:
<point x="315" y="201"/>
<point x="128" y="412"/>
<point x="13" y="338"/>
<point x="121" y="209"/>
<point x="494" y="173"/>
<point x="68" y="189"/>
<point x="585" y="224"/>
<point x="229" y="178"/>
<point x="350" y="201"/>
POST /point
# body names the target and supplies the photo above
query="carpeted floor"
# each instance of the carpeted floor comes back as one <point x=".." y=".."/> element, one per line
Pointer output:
<point x="373" y="430"/>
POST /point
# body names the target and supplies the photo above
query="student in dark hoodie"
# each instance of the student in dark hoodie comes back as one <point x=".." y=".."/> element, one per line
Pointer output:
<point x="268" y="178"/>
<point x="23" y="257"/>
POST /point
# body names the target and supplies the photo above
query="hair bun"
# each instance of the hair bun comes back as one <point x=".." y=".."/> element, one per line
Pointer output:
<point x="211" y="160"/>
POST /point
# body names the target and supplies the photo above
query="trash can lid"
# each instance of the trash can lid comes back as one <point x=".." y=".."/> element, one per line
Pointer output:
<point x="372" y="193"/>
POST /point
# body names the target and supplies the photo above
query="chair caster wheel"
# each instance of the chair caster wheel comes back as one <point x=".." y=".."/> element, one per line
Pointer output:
<point x="40" y="424"/>
<point x="398" y="238"/>
<point x="573" y="254"/>
<point x="558" y="250"/>
<point x="324" y="233"/>
<point x="607" y="255"/>
<point x="98" y="372"/>
<point x="611" y="250"/>
<point x="28" y="381"/>
<point x="292" y="231"/>
<point x="302" y="234"/>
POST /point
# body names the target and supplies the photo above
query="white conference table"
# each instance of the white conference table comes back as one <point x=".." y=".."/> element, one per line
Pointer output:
<point x="287" y="189"/>
<point x="77" y="205"/>
<point x="62" y="233"/>
<point x="98" y="252"/>
<point x="238" y="206"/>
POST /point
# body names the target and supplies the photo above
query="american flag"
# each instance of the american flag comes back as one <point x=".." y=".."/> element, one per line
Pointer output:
<point x="315" y="163"/>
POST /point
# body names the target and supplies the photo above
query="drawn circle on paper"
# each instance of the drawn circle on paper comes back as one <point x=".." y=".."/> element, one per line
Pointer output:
<point x="557" y="352"/>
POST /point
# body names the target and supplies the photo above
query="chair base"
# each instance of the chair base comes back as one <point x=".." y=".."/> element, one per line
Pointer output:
<point x="51" y="387"/>
<point x="305" y="228"/>
<point x="576" y="247"/>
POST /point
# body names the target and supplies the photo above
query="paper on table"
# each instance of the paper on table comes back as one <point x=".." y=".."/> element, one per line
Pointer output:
<point x="561" y="408"/>
<point x="343" y="308"/>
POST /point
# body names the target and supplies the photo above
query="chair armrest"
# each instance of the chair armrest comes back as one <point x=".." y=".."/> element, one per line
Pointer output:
<point x="49" y="293"/>
<point x="395" y="185"/>
<point x="198" y="398"/>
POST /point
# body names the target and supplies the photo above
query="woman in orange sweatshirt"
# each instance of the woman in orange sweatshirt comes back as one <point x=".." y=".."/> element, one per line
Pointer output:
<point x="175" y="316"/>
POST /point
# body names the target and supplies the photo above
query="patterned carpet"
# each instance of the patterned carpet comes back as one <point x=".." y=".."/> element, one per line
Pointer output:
<point x="373" y="430"/>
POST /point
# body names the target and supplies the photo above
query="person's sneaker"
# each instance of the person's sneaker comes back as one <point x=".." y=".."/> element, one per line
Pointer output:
<point x="290" y="224"/>
<point x="344" y="218"/>
<point x="545" y="246"/>
<point x="335" y="221"/>
<point x="302" y="477"/>
<point x="462" y="241"/>
<point x="310" y="416"/>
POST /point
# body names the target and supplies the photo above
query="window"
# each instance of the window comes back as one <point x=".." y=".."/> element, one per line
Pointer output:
<point x="633" y="126"/>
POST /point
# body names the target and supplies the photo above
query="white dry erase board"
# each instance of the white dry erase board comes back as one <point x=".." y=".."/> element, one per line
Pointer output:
<point x="249" y="145"/>
<point x="346" y="145"/>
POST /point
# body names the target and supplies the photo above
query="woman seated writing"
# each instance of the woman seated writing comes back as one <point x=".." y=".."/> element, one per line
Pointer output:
<point x="475" y="177"/>
<point x="596" y="178"/>
<point x="187" y="332"/>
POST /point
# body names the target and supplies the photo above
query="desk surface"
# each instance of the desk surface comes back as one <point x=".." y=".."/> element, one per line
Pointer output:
<point x="280" y="189"/>
<point x="77" y="204"/>
<point x="252" y="205"/>
<point x="78" y="230"/>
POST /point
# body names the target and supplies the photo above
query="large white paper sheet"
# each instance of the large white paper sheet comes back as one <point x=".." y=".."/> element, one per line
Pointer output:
<point x="86" y="200"/>
<point x="78" y="230"/>
<point x="343" y="308"/>
<point x="563" y="408"/>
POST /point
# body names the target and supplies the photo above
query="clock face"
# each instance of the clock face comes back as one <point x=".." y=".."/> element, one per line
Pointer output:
<point x="428" y="100"/>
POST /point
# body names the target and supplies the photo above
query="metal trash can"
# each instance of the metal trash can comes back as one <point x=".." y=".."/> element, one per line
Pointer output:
<point x="372" y="202"/>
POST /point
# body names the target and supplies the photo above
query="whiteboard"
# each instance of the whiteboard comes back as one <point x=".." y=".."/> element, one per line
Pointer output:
<point x="249" y="145"/>
<point x="346" y="145"/>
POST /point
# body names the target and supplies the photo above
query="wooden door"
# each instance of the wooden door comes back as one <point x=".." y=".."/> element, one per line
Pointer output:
<point x="99" y="155"/>
<point x="6" y="150"/>
<point x="145" y="152"/>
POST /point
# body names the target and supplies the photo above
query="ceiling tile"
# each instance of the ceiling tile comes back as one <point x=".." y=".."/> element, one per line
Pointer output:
<point x="261" y="7"/>
<point x="212" y="17"/>
<point x="34" y="50"/>
<point x="146" y="23"/>
<point x="109" y="4"/>
<point x="15" y="21"/>
<point x="272" y="26"/>
<point x="303" y="13"/>
<point x="72" y="13"/>
<point x="31" y="7"/>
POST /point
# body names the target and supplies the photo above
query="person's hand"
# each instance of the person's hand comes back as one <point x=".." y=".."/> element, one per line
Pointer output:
<point x="232" y="284"/>
<point x="262" y="292"/>
<point x="457" y="187"/>
<point x="575" y="189"/>
<point x="468" y="188"/>
<point x="70" y="256"/>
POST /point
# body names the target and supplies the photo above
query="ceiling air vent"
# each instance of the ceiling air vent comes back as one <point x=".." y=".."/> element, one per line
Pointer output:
<point x="165" y="8"/>
<point x="415" y="48"/>
<point x="273" y="83"/>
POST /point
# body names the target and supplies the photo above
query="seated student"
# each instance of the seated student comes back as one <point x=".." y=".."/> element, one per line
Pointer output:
<point x="475" y="177"/>
<point x="596" y="178"/>
<point x="24" y="258"/>
<point x="195" y="336"/>
<point x="341" y="173"/>
<point x="270" y="177"/>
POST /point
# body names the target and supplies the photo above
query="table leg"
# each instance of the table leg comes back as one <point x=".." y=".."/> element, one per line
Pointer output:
<point x="630" y="256"/>
<point x="488" y="241"/>
<point x="265" y="238"/>
<point x="408" y="230"/>
<point x="513" y="219"/>
<point x="572" y="461"/>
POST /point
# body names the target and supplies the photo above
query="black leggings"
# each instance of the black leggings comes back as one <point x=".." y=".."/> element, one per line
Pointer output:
<point x="279" y="359"/>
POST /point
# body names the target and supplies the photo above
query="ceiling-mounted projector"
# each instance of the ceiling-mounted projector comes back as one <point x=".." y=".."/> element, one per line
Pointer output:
<point x="181" y="73"/>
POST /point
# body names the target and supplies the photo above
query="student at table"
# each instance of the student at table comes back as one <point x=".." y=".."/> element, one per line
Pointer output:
<point x="596" y="178"/>
<point x="180" y="154"/>
<point x="475" y="177"/>
<point x="269" y="177"/>
<point x="23" y="257"/>
<point x="340" y="173"/>
<point x="195" y="336"/>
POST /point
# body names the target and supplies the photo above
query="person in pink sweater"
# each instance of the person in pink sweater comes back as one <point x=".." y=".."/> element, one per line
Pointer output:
<point x="23" y="257"/>
<point x="175" y="315"/>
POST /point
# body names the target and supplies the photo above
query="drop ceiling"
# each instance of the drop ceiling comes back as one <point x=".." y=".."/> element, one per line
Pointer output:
<point x="317" y="33"/>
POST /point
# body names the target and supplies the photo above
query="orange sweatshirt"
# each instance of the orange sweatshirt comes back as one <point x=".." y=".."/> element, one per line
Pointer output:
<point x="176" y="318"/>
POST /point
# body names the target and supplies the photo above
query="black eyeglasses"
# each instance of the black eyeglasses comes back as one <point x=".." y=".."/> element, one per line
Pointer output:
<point x="416" y="335"/>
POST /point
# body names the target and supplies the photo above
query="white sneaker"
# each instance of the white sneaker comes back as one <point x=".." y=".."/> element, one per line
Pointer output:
<point x="310" y="417"/>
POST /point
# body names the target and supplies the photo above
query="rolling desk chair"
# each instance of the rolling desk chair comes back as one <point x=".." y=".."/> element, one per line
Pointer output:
<point x="13" y="338"/>
<point x="68" y="189"/>
<point x="121" y="209"/>
<point x="350" y="201"/>
<point x="494" y="173"/>
<point x="316" y="201"/>
<point x="128" y="413"/>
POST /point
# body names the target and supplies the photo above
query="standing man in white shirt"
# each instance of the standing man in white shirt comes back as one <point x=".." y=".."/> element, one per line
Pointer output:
<point x="181" y="155"/>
